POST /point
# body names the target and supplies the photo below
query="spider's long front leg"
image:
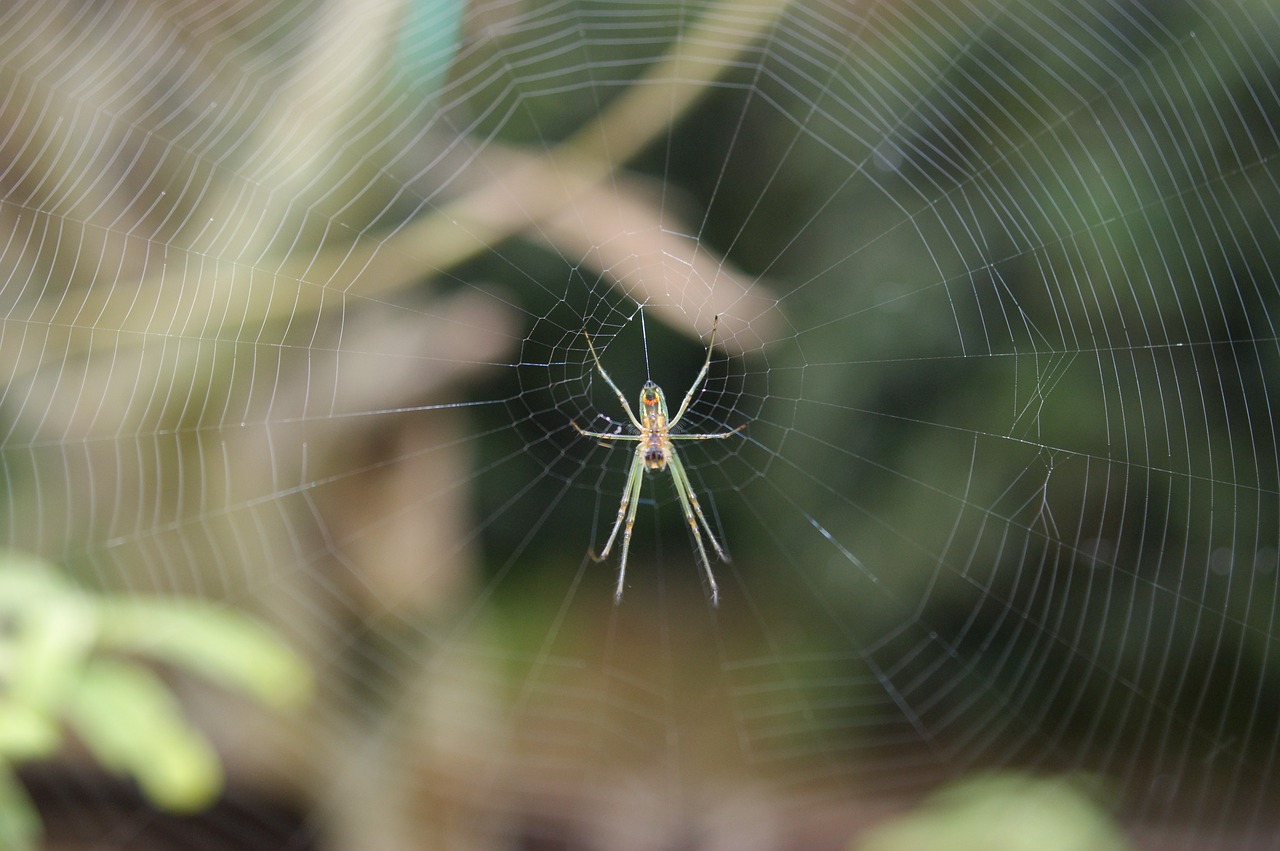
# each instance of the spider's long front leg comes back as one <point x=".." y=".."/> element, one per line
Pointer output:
<point x="692" y="515"/>
<point x="702" y="375"/>
<point x="626" y="406"/>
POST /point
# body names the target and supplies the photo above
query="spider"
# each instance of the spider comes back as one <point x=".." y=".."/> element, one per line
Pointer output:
<point x="654" y="452"/>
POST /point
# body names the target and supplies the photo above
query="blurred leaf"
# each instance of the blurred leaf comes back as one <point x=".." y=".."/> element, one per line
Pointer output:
<point x="51" y="638"/>
<point x="1007" y="812"/>
<point x="20" y="827"/>
<point x="132" y="723"/>
<point x="216" y="643"/>
<point x="49" y="628"/>
<point x="26" y="732"/>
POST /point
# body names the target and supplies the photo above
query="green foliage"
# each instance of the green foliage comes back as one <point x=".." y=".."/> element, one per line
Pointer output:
<point x="1003" y="812"/>
<point x="65" y="666"/>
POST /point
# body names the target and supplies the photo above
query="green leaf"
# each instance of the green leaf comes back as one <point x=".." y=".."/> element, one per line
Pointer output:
<point x="26" y="732"/>
<point x="52" y="669"/>
<point x="132" y="724"/>
<point x="1003" y="812"/>
<point x="49" y="633"/>
<point x="219" y="644"/>
<point x="20" y="828"/>
<point x="22" y="575"/>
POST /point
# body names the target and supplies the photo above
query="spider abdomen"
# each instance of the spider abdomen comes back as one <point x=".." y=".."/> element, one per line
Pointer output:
<point x="656" y="447"/>
<point x="655" y="454"/>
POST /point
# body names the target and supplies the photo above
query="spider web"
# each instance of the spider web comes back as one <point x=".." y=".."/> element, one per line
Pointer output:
<point x="293" y="311"/>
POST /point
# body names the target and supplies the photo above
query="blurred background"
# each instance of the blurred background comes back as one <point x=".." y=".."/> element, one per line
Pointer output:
<point x="292" y="330"/>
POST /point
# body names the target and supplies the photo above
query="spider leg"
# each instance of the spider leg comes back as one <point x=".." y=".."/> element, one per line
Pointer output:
<point x="697" y="382"/>
<point x="630" y="501"/>
<point x="717" y="436"/>
<point x="605" y="435"/>
<point x="637" y="465"/>
<point x="693" y="514"/>
<point x="626" y="406"/>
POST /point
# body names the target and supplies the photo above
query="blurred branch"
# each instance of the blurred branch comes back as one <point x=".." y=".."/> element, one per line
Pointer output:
<point x="619" y="230"/>
<point x="526" y="192"/>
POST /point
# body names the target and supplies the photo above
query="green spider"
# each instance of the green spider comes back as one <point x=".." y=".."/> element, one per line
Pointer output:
<point x="654" y="452"/>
